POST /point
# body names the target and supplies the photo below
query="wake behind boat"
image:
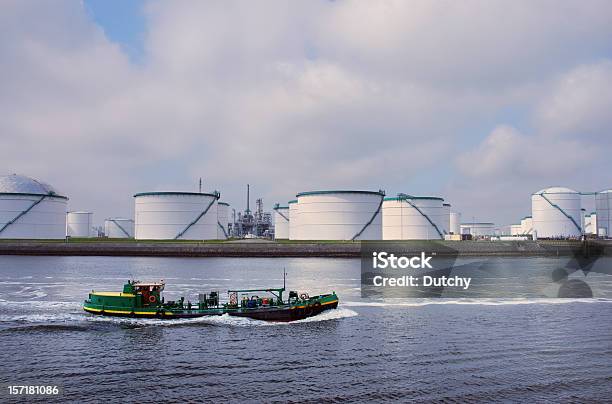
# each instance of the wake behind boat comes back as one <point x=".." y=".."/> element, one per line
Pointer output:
<point x="145" y="300"/>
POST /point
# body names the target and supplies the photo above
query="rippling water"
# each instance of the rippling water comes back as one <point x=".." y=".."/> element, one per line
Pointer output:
<point x="421" y="350"/>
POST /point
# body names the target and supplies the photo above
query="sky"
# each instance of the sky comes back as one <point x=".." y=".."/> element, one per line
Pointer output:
<point x="480" y="102"/>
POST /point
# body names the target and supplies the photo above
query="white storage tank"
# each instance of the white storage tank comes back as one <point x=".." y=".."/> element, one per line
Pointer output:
<point x="455" y="223"/>
<point x="79" y="224"/>
<point x="556" y="213"/>
<point x="30" y="209"/>
<point x="293" y="220"/>
<point x="118" y="227"/>
<point x="176" y="216"/>
<point x="407" y="217"/>
<point x="482" y="229"/>
<point x="603" y="206"/>
<point x="340" y="215"/>
<point x="281" y="222"/>
<point x="446" y="218"/>
<point x="223" y="220"/>
<point x="526" y="225"/>
<point x="593" y="223"/>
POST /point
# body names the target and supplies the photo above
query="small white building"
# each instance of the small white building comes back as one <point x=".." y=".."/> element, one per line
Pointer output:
<point x="481" y="229"/>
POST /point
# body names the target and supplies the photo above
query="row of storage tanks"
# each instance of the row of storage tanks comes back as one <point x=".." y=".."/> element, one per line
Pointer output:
<point x="367" y="215"/>
<point x="163" y="216"/>
<point x="364" y="215"/>
<point x="31" y="209"/>
<point x="557" y="212"/>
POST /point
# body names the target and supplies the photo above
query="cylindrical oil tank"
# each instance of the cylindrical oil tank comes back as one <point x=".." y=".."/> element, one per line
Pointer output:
<point x="556" y="213"/>
<point x="446" y="219"/>
<point x="587" y="224"/>
<point x="455" y="223"/>
<point x="176" y="216"/>
<point x="223" y="220"/>
<point x="30" y="209"/>
<point x="340" y="215"/>
<point x="592" y="229"/>
<point x="407" y="217"/>
<point x="482" y="229"/>
<point x="526" y="225"/>
<point x="79" y="224"/>
<point x="293" y="220"/>
<point x="281" y="222"/>
<point x="118" y="227"/>
<point x="603" y="206"/>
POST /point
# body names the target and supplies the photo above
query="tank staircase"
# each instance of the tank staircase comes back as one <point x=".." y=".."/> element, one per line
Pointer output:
<point x="285" y="217"/>
<point x="554" y="205"/>
<point x="406" y="198"/>
<point x="20" y="215"/>
<point x="197" y="219"/>
<point x="120" y="228"/>
<point x="382" y="199"/>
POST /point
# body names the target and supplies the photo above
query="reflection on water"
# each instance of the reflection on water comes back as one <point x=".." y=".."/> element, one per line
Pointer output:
<point x="367" y="350"/>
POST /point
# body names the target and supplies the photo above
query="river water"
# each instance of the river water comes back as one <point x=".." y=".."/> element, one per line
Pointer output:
<point x="468" y="350"/>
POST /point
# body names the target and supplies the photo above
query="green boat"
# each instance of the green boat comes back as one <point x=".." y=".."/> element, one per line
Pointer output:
<point x="145" y="300"/>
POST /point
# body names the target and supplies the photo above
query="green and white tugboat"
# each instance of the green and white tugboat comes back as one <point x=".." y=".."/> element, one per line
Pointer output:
<point x="145" y="300"/>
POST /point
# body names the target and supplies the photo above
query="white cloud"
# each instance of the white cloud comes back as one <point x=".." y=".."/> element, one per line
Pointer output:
<point x="293" y="96"/>
<point x="580" y="104"/>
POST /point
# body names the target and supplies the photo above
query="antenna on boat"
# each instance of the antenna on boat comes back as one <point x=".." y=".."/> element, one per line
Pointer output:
<point x="284" y="277"/>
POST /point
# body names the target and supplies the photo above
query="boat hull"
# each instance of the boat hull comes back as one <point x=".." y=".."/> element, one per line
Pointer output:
<point x="285" y="314"/>
<point x="154" y="314"/>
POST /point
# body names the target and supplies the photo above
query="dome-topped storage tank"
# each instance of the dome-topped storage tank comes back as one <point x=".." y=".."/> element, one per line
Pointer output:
<point x="223" y="220"/>
<point x="407" y="217"/>
<point x="119" y="227"/>
<point x="79" y="224"/>
<point x="556" y="213"/>
<point x="340" y="215"/>
<point x="603" y="221"/>
<point x="176" y="215"/>
<point x="281" y="222"/>
<point x="31" y="209"/>
<point x="293" y="220"/>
